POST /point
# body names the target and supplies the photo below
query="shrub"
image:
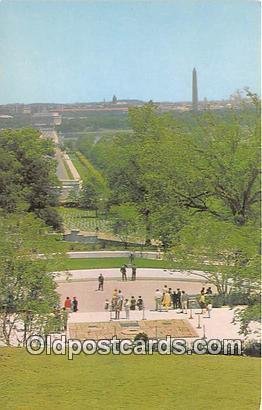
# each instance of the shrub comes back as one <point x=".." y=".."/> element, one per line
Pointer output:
<point x="141" y="337"/>
<point x="252" y="348"/>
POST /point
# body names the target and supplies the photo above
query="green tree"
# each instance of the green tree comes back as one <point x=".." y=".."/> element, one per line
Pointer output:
<point x="27" y="287"/>
<point x="227" y="254"/>
<point x="126" y="223"/>
<point x="29" y="180"/>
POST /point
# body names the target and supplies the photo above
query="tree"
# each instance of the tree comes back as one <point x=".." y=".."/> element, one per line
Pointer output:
<point x="126" y="222"/>
<point x="227" y="254"/>
<point x="90" y="196"/>
<point x="27" y="287"/>
<point x="213" y="169"/>
<point x="28" y="174"/>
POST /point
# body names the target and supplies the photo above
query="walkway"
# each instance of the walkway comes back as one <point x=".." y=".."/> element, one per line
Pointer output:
<point x="83" y="284"/>
<point x="142" y="274"/>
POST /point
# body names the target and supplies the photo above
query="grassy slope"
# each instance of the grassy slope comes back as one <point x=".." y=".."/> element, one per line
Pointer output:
<point x="94" y="263"/>
<point x="128" y="382"/>
<point x="79" y="166"/>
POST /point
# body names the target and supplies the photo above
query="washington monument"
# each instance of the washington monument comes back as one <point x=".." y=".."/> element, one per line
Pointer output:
<point x="194" y="91"/>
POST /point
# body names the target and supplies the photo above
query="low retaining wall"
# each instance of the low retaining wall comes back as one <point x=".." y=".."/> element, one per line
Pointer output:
<point x="113" y="254"/>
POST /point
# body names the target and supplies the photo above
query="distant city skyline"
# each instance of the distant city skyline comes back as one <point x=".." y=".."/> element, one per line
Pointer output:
<point x="83" y="51"/>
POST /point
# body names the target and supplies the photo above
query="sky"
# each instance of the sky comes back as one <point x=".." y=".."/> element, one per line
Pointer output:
<point x="82" y="51"/>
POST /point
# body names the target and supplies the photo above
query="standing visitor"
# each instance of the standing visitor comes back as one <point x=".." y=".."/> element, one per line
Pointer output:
<point x="67" y="304"/>
<point x="131" y="258"/>
<point x="158" y="300"/>
<point x="123" y="273"/>
<point x="121" y="298"/>
<point x="184" y="301"/>
<point x="209" y="308"/>
<point x="100" y="282"/>
<point x="140" y="303"/>
<point x="175" y="300"/>
<point x="74" y="304"/>
<point x="166" y="301"/>
<point x="127" y="308"/>
<point x="202" y="302"/>
<point x="179" y="304"/>
<point x="132" y="303"/>
<point x="118" y="308"/>
<point x="133" y="277"/>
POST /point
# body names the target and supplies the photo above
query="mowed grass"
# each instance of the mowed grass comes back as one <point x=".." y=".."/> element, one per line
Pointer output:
<point x="103" y="263"/>
<point x="97" y="263"/>
<point x="128" y="382"/>
<point x="79" y="166"/>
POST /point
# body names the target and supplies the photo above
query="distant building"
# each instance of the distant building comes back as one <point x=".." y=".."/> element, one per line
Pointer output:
<point x="46" y="119"/>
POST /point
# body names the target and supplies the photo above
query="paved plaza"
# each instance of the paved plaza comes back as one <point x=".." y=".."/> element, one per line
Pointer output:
<point x="83" y="284"/>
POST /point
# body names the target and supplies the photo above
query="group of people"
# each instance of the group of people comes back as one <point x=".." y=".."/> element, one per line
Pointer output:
<point x="119" y="303"/>
<point x="123" y="271"/>
<point x="167" y="298"/>
<point x="71" y="305"/>
<point x="178" y="299"/>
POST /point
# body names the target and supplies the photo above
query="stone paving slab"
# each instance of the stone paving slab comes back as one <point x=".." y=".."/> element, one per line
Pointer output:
<point x="178" y="328"/>
<point x="219" y="326"/>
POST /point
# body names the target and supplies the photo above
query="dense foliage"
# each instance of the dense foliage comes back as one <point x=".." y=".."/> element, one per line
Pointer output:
<point x="27" y="174"/>
<point x="92" y="121"/>
<point x="27" y="287"/>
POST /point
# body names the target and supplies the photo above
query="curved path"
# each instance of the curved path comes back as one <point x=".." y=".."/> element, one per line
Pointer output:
<point x="142" y="274"/>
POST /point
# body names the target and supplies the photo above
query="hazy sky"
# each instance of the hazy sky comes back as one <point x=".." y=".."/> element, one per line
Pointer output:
<point x="69" y="51"/>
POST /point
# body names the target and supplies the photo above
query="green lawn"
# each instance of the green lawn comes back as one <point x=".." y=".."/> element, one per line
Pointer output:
<point x="93" y="263"/>
<point x="102" y="263"/>
<point x="79" y="166"/>
<point x="128" y="382"/>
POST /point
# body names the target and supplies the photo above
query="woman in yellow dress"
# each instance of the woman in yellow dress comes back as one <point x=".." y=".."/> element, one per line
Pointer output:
<point x="166" y="300"/>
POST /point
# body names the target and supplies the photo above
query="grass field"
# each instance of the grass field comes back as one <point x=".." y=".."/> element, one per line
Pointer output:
<point x="79" y="166"/>
<point x="128" y="382"/>
<point x="103" y="263"/>
<point x="96" y="263"/>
